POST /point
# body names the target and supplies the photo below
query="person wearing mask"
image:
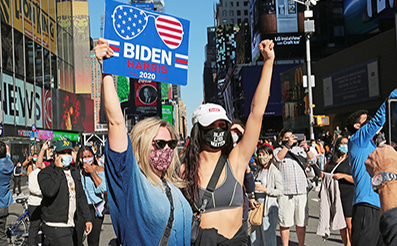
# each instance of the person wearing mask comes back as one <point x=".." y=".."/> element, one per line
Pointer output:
<point x="63" y="194"/>
<point x="339" y="165"/>
<point x="30" y="163"/>
<point x="321" y="154"/>
<point x="365" y="217"/>
<point x="6" y="169"/>
<point x="293" y="208"/>
<point x="337" y="133"/>
<point x="94" y="185"/>
<point x="17" y="179"/>
<point x="145" y="201"/>
<point x="221" y="222"/>
<point x="268" y="189"/>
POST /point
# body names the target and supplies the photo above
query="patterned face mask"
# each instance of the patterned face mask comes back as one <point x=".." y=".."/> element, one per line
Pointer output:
<point x="264" y="159"/>
<point x="88" y="160"/>
<point x="160" y="159"/>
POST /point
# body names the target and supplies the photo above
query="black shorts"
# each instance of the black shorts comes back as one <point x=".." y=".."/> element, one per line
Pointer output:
<point x="365" y="225"/>
<point x="211" y="237"/>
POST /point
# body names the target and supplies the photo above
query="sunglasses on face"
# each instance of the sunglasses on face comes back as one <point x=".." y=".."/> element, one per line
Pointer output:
<point x="160" y="144"/>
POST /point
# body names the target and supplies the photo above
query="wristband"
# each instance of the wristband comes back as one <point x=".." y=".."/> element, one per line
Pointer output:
<point x="287" y="146"/>
<point x="308" y="149"/>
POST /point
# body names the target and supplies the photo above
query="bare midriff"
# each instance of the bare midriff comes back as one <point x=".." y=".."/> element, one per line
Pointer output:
<point x="226" y="221"/>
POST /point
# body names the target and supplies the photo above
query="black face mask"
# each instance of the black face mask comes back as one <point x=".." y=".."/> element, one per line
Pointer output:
<point x="286" y="142"/>
<point x="216" y="138"/>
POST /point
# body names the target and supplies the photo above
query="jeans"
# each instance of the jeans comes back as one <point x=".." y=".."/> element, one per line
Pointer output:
<point x="93" y="237"/>
<point x="321" y="161"/>
<point x="17" y="182"/>
<point x="58" y="236"/>
<point x="35" y="221"/>
<point x="265" y="234"/>
<point x="3" y="219"/>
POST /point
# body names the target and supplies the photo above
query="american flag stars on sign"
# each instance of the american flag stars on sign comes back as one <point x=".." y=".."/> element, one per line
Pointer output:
<point x="129" y="22"/>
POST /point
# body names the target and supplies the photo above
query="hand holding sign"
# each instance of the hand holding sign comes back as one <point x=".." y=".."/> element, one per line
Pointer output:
<point x="102" y="50"/>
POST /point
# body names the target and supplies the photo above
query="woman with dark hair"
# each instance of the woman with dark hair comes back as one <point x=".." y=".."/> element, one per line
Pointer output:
<point x="221" y="222"/>
<point x="268" y="188"/>
<point x="339" y="164"/>
<point x="94" y="185"/>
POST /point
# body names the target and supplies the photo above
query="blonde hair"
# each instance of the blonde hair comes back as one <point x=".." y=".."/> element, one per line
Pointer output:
<point x="141" y="137"/>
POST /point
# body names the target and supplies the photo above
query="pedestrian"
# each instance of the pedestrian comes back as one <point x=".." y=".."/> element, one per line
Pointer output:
<point x="63" y="194"/>
<point x="94" y="185"/>
<point x="268" y="189"/>
<point x="365" y="201"/>
<point x="6" y="169"/>
<point x="145" y="202"/>
<point x="321" y="151"/>
<point x="210" y="142"/>
<point x="30" y="163"/>
<point x="339" y="166"/>
<point x="17" y="179"/>
<point x="293" y="208"/>
<point x="382" y="166"/>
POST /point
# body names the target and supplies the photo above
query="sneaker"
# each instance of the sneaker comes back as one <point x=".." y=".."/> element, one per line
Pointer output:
<point x="14" y="195"/>
<point x="21" y="194"/>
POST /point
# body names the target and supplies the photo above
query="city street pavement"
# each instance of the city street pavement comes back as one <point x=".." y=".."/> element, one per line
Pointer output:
<point x="108" y="237"/>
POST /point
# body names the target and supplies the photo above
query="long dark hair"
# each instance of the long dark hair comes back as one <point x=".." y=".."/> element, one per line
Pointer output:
<point x="191" y="159"/>
<point x="79" y="159"/>
<point x="268" y="150"/>
<point x="336" y="153"/>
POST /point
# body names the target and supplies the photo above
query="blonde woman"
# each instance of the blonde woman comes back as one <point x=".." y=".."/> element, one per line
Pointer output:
<point x="143" y="188"/>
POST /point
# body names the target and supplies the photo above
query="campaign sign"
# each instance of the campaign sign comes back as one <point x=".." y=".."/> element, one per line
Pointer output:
<point x="146" y="44"/>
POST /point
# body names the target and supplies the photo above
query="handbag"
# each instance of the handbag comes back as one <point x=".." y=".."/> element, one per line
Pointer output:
<point x="255" y="216"/>
<point x="309" y="183"/>
<point x="196" y="220"/>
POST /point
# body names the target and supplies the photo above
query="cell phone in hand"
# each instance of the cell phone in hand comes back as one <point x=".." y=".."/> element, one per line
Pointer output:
<point x="299" y="136"/>
<point x="390" y="126"/>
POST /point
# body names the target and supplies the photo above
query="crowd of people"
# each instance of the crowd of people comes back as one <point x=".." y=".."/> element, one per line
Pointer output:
<point x="202" y="196"/>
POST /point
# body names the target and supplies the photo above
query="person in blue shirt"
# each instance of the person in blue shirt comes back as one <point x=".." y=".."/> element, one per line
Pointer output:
<point x="94" y="184"/>
<point x="6" y="169"/>
<point x="365" y="218"/>
<point x="143" y="186"/>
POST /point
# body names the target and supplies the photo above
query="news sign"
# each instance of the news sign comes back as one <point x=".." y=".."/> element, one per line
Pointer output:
<point x="146" y="44"/>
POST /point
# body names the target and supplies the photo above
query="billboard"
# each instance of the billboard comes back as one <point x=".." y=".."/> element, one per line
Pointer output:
<point x="146" y="97"/>
<point x="25" y="104"/>
<point x="147" y="45"/>
<point x="352" y="85"/>
<point x="167" y="113"/>
<point x="363" y="16"/>
<point x="280" y="21"/>
<point x="72" y="112"/>
<point x="81" y="45"/>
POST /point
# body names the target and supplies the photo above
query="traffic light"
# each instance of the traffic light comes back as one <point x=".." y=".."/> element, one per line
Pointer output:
<point x="320" y="120"/>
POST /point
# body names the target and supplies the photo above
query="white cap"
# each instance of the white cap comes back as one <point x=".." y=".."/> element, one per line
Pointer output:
<point x="208" y="113"/>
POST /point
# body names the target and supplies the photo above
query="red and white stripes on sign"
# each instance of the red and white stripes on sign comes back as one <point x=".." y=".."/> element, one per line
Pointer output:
<point x="181" y="61"/>
<point x="170" y="31"/>
<point x="115" y="46"/>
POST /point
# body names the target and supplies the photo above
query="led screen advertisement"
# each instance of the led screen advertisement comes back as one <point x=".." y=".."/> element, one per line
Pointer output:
<point x="167" y="113"/>
<point x="280" y="21"/>
<point x="352" y="85"/>
<point x="24" y="103"/>
<point x="363" y="16"/>
<point x="72" y="111"/>
<point x="147" y="45"/>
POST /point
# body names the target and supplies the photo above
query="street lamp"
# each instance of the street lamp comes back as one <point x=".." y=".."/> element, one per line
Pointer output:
<point x="309" y="30"/>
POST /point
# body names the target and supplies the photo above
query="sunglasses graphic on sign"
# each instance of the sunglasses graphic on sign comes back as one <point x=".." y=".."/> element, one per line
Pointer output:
<point x="129" y="22"/>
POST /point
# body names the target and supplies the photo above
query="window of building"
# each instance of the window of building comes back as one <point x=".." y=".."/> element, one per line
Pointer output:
<point x="47" y="74"/>
<point x="59" y="42"/>
<point x="231" y="13"/>
<point x="6" y="37"/>
<point x="38" y="64"/>
<point x="245" y="3"/>
<point x="246" y="12"/>
<point x="18" y="52"/>
<point x="231" y="4"/>
<point x="238" y="12"/>
<point x="29" y="60"/>
<point x="239" y="21"/>
<point x="225" y="4"/>
<point x="54" y="72"/>
<point x="339" y="31"/>
<point x="237" y="4"/>
<point x="224" y="13"/>
<point x="232" y="21"/>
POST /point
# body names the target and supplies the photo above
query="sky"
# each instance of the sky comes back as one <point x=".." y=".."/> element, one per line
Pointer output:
<point x="201" y="15"/>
